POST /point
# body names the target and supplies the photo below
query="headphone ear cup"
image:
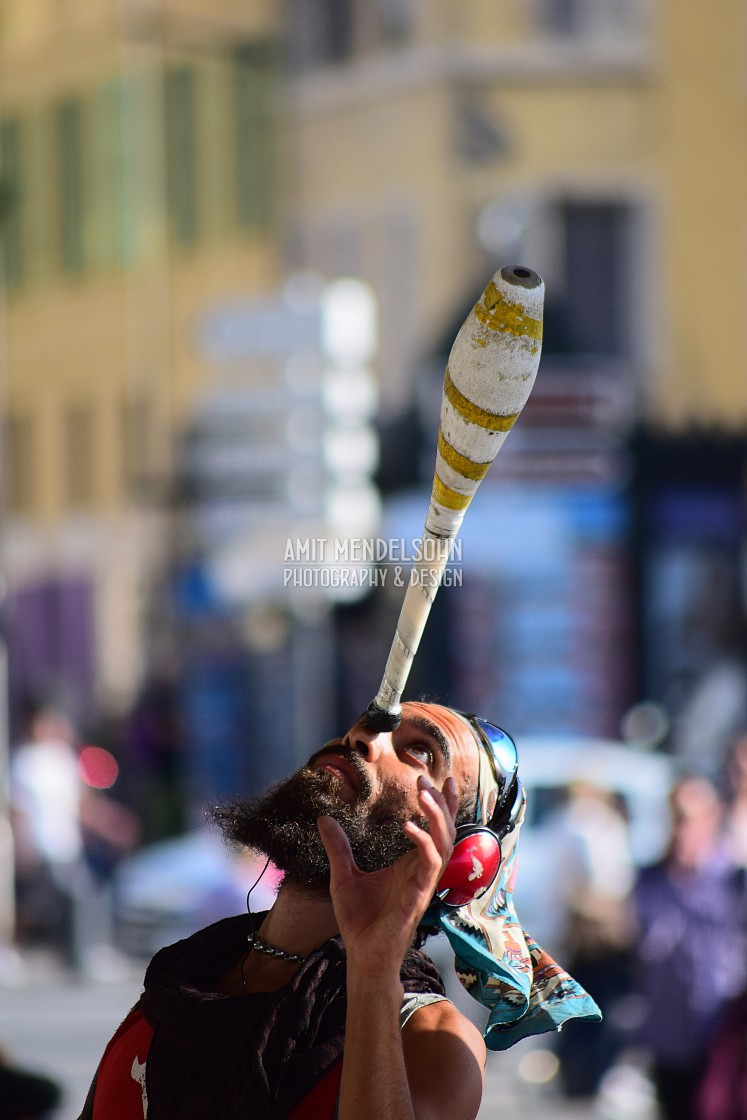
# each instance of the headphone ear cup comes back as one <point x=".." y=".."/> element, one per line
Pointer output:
<point x="474" y="864"/>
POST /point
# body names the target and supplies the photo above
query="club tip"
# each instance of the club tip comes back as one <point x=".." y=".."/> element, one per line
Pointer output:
<point x="378" y="719"/>
<point x="520" y="276"/>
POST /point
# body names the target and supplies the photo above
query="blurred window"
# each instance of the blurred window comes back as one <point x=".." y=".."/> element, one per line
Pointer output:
<point x="396" y="19"/>
<point x="217" y="147"/>
<point x="51" y="639"/>
<point x="108" y="174"/>
<point x="181" y="154"/>
<point x="21" y="464"/>
<point x="79" y="456"/>
<point x="382" y="23"/>
<point x="40" y="194"/>
<point x="321" y="32"/>
<point x="71" y="184"/>
<point x="137" y="436"/>
<point x="336" y="242"/>
<point x="597" y="240"/>
<point x="11" y="201"/>
<point x="611" y="20"/>
<point x="589" y="311"/>
<point x="255" y="125"/>
<point x="562" y="17"/>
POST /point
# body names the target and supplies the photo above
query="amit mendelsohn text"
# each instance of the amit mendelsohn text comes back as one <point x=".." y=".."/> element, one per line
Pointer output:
<point x="362" y="550"/>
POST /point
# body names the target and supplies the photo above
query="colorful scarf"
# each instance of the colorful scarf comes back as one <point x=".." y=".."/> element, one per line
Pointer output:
<point x="499" y="964"/>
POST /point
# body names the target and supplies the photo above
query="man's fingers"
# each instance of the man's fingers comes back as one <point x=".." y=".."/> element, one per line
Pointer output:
<point x="336" y="845"/>
<point x="447" y="799"/>
<point x="428" y="851"/>
<point x="452" y="797"/>
<point x="440" y="817"/>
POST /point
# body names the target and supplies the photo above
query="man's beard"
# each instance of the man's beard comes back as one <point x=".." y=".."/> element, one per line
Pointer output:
<point x="281" y="824"/>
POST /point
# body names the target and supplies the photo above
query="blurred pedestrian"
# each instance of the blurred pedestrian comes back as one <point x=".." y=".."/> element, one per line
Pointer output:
<point x="67" y="839"/>
<point x="593" y="841"/>
<point x="691" y="949"/>
<point x="722" y="1093"/>
<point x="46" y="790"/>
<point x="736" y="813"/>
<point x="153" y="756"/>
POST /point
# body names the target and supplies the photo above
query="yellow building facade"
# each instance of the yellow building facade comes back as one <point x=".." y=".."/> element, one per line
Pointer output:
<point x="701" y="164"/>
<point x="447" y="137"/>
<point x="159" y="159"/>
<point x="139" y="167"/>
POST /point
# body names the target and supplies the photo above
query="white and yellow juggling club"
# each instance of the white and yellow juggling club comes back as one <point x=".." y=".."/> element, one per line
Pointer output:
<point x="489" y="376"/>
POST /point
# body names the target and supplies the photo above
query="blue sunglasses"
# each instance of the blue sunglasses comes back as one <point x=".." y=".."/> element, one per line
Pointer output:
<point x="504" y="760"/>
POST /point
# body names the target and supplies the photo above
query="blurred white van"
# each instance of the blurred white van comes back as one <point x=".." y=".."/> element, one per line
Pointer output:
<point x="640" y="781"/>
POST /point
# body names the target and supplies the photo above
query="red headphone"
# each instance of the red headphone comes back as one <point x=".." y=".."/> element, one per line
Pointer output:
<point x="478" y="854"/>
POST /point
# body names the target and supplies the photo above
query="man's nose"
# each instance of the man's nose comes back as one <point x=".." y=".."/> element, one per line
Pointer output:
<point x="370" y="744"/>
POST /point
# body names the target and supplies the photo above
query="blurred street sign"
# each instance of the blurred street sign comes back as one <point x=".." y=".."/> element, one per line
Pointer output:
<point x="282" y="442"/>
<point x="257" y="328"/>
<point x="245" y="453"/>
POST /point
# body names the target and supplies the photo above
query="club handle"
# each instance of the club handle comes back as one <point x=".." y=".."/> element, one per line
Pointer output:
<point x="491" y="370"/>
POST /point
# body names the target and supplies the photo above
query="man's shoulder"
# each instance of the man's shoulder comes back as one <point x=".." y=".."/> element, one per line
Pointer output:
<point x="434" y="1023"/>
<point x="443" y="1016"/>
<point x="445" y="1055"/>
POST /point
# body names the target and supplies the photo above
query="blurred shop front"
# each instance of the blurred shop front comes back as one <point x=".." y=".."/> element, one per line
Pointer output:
<point x="691" y="517"/>
<point x="50" y="631"/>
<point x="543" y="640"/>
<point x="537" y="626"/>
<point x="235" y="689"/>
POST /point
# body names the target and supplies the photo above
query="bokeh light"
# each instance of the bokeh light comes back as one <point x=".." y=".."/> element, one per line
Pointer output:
<point x="98" y="768"/>
<point x="538" y="1067"/>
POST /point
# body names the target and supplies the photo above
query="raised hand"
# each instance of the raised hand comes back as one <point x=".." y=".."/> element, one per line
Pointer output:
<point x="378" y="912"/>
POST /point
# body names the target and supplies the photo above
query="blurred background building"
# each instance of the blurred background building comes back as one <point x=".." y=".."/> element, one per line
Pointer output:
<point x="180" y="186"/>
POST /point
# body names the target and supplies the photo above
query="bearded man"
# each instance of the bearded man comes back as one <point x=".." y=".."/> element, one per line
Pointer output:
<point x="322" y="1007"/>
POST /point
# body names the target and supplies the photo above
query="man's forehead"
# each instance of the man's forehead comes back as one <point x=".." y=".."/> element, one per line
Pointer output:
<point x="446" y="722"/>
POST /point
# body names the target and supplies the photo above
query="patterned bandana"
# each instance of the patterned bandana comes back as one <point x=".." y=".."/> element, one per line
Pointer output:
<point x="524" y="989"/>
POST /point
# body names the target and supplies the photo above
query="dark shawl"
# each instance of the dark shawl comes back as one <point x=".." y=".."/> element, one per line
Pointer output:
<point x="248" y="1056"/>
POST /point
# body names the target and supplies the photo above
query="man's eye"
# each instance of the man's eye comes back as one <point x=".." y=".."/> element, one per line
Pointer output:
<point x="423" y="754"/>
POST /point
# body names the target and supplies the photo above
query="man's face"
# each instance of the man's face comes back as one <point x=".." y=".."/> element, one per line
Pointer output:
<point x="368" y="782"/>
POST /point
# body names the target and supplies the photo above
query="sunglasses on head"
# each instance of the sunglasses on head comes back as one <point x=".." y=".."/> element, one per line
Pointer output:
<point x="504" y="760"/>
